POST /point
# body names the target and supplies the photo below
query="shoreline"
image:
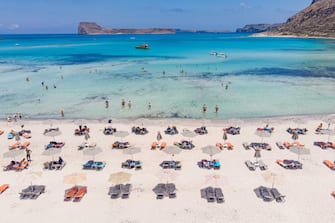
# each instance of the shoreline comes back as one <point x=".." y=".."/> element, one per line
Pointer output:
<point x="265" y="34"/>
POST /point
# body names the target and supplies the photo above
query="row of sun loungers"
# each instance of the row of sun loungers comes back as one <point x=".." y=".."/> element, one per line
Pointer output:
<point x="24" y="133"/>
<point x="212" y="194"/>
<point x="94" y="165"/>
<point x="109" y="130"/>
<point x="87" y="145"/>
<point x="120" y="145"/>
<point x="165" y="190"/>
<point x="269" y="194"/>
<point x="201" y="131"/>
<point x="257" y="146"/>
<point x="184" y="144"/>
<point x="232" y="130"/>
<point x="54" y="144"/>
<point x="297" y="131"/>
<point x="120" y="190"/>
<point x="325" y="145"/>
<point x="171" y="165"/>
<point x="19" y="145"/>
<point x="253" y="165"/>
<point x="17" y="166"/>
<point x="156" y="145"/>
<point x="290" y="164"/>
<point x="132" y="164"/>
<point x="225" y="145"/>
<point x="209" y="164"/>
<point x="3" y="188"/>
<point x="81" y="131"/>
<point x="32" y="192"/>
<point x="171" y="130"/>
<point x="54" y="165"/>
<point x="139" y="131"/>
<point x="75" y="193"/>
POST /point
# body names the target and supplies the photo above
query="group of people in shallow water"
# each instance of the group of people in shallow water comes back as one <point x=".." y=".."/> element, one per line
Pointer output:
<point x="204" y="108"/>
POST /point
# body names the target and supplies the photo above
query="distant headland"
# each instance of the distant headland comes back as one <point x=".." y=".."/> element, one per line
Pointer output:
<point x="91" y="28"/>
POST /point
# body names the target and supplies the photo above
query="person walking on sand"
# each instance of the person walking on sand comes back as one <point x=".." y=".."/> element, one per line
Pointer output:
<point x="123" y="103"/>
<point x="216" y="108"/>
<point x="204" y="108"/>
<point x="129" y="104"/>
<point x="28" y="153"/>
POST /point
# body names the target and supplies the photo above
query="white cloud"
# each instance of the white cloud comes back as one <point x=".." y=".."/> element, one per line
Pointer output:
<point x="13" y="26"/>
<point x="244" y="5"/>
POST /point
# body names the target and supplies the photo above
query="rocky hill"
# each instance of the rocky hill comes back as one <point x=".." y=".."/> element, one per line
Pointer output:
<point x="318" y="19"/>
<point x="93" y="28"/>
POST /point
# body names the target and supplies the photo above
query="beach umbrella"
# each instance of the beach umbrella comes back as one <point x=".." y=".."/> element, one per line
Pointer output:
<point x="299" y="121"/>
<point x="211" y="150"/>
<point x="159" y="136"/>
<point x="74" y="178"/>
<point x="215" y="180"/>
<point x="80" y="122"/>
<point x="188" y="133"/>
<point x="299" y="150"/>
<point x="52" y="152"/>
<point x="172" y="150"/>
<point x="273" y="178"/>
<point x="167" y="175"/>
<point x="119" y="177"/>
<point x="92" y="151"/>
<point x="53" y="133"/>
<point x="121" y="134"/>
<point x="13" y="153"/>
<point x="131" y="151"/>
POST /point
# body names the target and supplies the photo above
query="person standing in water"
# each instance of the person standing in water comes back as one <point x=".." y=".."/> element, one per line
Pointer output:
<point x="62" y="113"/>
<point x="216" y="108"/>
<point x="123" y="103"/>
<point x="204" y="108"/>
<point x="149" y="106"/>
<point x="129" y="104"/>
<point x="106" y="104"/>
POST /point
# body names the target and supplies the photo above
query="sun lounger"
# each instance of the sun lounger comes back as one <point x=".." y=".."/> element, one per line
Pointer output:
<point x="115" y="191"/>
<point x="290" y="164"/>
<point x="70" y="193"/>
<point x="160" y="190"/>
<point x="210" y="194"/>
<point x="125" y="191"/>
<point x="262" y="165"/>
<point x="280" y="145"/>
<point x="329" y="164"/>
<point x="1" y="132"/>
<point x="32" y="192"/>
<point x="16" y="145"/>
<point x="277" y="196"/>
<point x="3" y="187"/>
<point x="251" y="166"/>
<point x="171" y="131"/>
<point x="219" y="195"/>
<point x="171" y="190"/>
<point x="265" y="193"/>
<point x="82" y="190"/>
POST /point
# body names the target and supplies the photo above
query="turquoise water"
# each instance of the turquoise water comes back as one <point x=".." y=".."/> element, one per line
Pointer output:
<point x="265" y="76"/>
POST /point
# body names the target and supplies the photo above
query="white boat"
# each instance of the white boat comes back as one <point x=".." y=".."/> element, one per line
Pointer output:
<point x="213" y="52"/>
<point x="223" y="55"/>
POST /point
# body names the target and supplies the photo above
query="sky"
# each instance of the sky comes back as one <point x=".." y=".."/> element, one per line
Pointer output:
<point x="63" y="16"/>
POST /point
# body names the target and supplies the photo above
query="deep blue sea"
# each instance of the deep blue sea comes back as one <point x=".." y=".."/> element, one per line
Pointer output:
<point x="177" y="75"/>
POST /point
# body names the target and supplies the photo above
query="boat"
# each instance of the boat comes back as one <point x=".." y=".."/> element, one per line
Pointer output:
<point x="143" y="46"/>
<point x="221" y="55"/>
<point x="213" y="52"/>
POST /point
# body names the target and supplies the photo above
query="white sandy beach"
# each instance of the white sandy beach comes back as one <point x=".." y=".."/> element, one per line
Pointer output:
<point x="307" y="191"/>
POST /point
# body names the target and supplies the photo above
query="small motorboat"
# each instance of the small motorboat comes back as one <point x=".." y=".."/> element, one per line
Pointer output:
<point x="223" y="55"/>
<point x="143" y="46"/>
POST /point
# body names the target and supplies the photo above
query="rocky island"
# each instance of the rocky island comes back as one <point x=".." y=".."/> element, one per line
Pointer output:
<point x="91" y="28"/>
